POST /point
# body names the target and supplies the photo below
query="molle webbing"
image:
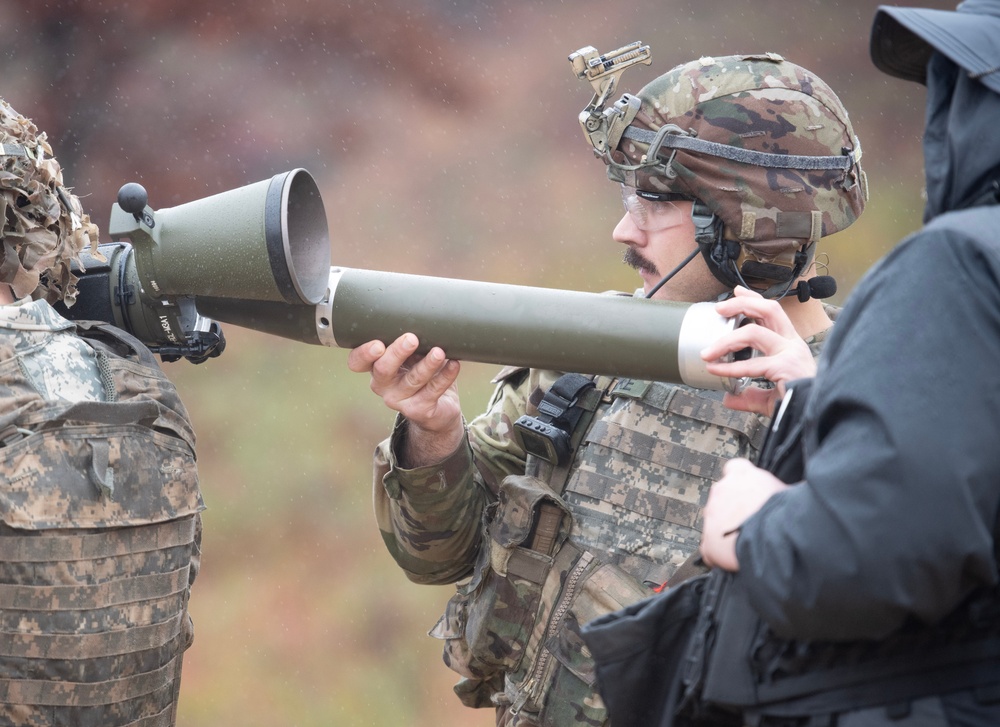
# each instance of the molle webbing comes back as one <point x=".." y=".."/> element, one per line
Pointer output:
<point x="653" y="449"/>
<point x="643" y="473"/>
<point x="669" y="508"/>
<point x="91" y="646"/>
<point x="704" y="406"/>
<point x="86" y="598"/>
<point x="55" y="694"/>
<point x="95" y="581"/>
<point x="97" y="545"/>
<point x="94" y="623"/>
<point x="673" y="400"/>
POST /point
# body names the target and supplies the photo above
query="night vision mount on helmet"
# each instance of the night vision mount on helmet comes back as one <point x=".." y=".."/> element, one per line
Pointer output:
<point x="762" y="147"/>
<point x="603" y="127"/>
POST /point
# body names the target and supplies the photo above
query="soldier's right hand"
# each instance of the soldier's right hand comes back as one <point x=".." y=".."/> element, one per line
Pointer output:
<point x="421" y="388"/>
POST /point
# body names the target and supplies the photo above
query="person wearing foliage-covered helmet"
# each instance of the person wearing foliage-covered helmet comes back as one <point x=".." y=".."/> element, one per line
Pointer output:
<point x="100" y="506"/>
<point x="730" y="170"/>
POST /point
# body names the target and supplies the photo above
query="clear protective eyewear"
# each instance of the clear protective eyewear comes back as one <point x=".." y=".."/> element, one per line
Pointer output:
<point x="651" y="211"/>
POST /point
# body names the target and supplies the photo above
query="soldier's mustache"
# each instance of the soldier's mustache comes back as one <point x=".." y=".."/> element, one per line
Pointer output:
<point x="634" y="259"/>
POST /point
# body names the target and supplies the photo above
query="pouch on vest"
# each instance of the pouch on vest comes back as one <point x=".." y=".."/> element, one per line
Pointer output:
<point x="124" y="462"/>
<point x="488" y="621"/>
<point x="559" y="685"/>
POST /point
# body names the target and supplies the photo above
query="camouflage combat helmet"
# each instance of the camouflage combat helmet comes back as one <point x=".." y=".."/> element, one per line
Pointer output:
<point x="40" y="215"/>
<point x="763" y="148"/>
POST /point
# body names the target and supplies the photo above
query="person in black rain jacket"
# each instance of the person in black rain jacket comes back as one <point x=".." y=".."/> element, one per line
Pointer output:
<point x="876" y="576"/>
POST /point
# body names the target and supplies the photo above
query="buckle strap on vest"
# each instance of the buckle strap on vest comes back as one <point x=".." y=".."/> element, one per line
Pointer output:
<point x="559" y="405"/>
<point x="546" y="528"/>
<point x="548" y="435"/>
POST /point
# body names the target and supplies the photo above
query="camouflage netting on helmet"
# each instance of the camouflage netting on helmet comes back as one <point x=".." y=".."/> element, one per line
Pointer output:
<point x="44" y="227"/>
<point x="759" y="103"/>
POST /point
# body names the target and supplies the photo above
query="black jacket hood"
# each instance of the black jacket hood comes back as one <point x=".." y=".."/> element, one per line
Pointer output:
<point x="961" y="140"/>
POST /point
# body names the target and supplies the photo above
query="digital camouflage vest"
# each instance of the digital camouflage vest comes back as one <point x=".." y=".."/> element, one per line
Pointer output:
<point x="99" y="542"/>
<point x="558" y="555"/>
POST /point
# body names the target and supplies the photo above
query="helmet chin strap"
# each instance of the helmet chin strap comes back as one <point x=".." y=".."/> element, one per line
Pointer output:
<point x="775" y="292"/>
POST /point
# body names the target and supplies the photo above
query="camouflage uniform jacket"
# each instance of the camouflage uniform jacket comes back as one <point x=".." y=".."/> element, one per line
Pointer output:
<point x="630" y="510"/>
<point x="99" y="526"/>
<point x="57" y="362"/>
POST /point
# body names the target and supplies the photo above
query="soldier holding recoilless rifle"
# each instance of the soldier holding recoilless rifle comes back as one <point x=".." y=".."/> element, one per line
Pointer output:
<point x="574" y="495"/>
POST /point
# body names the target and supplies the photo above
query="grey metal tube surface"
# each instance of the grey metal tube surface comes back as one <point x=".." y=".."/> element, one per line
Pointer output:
<point x="498" y="323"/>
<point x="510" y="324"/>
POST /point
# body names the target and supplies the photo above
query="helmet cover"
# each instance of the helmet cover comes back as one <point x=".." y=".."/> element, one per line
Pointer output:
<point x="781" y="166"/>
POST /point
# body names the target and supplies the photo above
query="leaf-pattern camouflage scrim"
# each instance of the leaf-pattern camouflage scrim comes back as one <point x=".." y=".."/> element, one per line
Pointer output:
<point x="44" y="225"/>
<point x="100" y="527"/>
<point x="761" y="103"/>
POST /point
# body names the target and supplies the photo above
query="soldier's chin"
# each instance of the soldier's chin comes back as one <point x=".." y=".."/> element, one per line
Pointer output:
<point x="649" y="279"/>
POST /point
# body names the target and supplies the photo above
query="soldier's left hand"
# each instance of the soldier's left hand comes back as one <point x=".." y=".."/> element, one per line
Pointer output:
<point x="739" y="493"/>
<point x="782" y="356"/>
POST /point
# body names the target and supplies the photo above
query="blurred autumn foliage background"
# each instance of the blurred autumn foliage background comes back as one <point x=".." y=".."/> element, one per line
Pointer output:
<point x="443" y="136"/>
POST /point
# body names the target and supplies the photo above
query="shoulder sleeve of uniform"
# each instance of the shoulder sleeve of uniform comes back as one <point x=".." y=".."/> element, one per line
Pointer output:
<point x="496" y="450"/>
<point x="509" y="374"/>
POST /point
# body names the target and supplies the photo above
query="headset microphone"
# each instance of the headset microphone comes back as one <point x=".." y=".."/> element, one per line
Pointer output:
<point x="822" y="286"/>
